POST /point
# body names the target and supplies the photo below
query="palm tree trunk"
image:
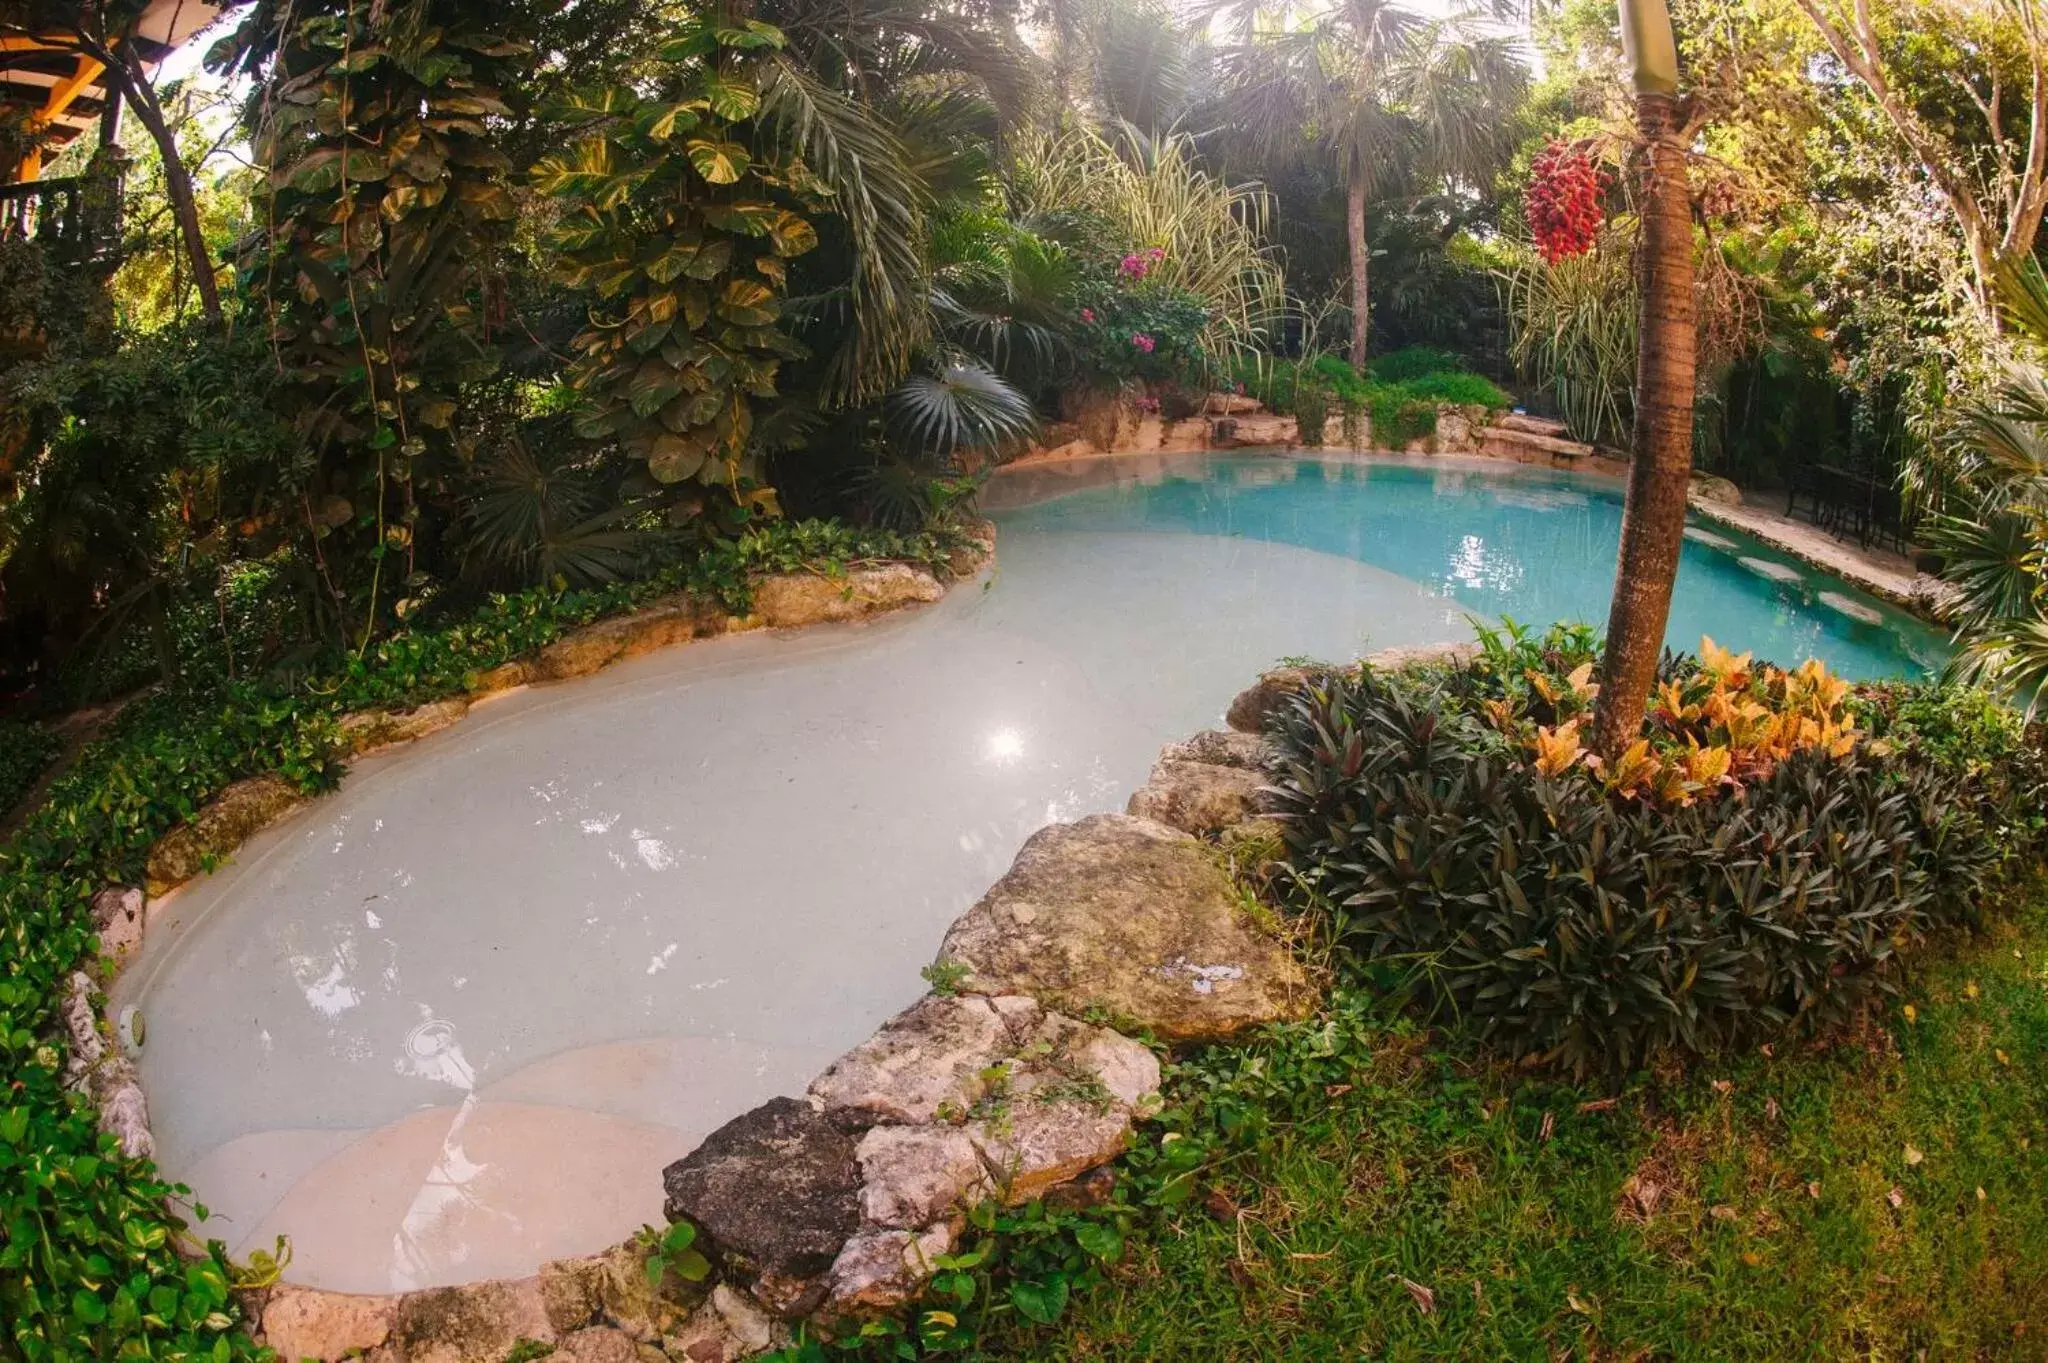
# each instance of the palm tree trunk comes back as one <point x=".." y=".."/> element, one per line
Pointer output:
<point x="1361" y="304"/>
<point x="1653" y="520"/>
<point x="126" y="73"/>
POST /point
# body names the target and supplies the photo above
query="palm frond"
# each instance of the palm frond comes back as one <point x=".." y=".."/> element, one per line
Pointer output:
<point x="956" y="407"/>
<point x="860" y="160"/>
<point x="1994" y="562"/>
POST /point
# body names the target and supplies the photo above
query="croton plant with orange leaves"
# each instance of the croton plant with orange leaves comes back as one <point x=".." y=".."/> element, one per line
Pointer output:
<point x="1713" y="727"/>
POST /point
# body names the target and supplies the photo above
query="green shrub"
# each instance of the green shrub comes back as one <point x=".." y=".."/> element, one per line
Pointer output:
<point x="1596" y="932"/>
<point x="1402" y="410"/>
<point x="1465" y="390"/>
<point x="1312" y="415"/>
<point x="25" y="750"/>
<point x="1413" y="362"/>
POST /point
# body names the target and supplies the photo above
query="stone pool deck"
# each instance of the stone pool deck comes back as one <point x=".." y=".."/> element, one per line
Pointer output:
<point x="1880" y="572"/>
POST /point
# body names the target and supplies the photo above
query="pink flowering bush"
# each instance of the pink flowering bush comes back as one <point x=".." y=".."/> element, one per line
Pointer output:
<point x="1137" y="264"/>
<point x="1143" y="343"/>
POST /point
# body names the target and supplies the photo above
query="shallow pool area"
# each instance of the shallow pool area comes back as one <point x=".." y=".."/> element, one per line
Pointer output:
<point x="451" y="1021"/>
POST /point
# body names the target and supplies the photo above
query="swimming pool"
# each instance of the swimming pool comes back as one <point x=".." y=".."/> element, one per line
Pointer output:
<point x="1499" y="541"/>
<point x="452" y="1020"/>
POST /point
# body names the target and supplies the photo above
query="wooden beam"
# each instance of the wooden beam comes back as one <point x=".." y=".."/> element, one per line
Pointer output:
<point x="68" y="89"/>
<point x="61" y="97"/>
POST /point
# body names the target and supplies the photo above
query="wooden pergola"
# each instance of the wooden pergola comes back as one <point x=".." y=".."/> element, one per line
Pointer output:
<point x="67" y="92"/>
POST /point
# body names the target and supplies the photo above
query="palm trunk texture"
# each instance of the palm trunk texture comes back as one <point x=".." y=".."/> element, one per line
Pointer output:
<point x="1653" y="520"/>
<point x="1361" y="305"/>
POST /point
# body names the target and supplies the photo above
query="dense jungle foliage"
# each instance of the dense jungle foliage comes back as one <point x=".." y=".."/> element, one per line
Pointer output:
<point x="396" y="338"/>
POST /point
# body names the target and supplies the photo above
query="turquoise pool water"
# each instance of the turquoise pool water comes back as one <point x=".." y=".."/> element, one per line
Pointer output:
<point x="1528" y="544"/>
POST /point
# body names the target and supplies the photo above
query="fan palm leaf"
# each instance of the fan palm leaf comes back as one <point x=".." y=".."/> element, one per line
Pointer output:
<point x="956" y="407"/>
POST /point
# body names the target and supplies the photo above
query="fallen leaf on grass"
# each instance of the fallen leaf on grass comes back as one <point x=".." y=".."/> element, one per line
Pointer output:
<point x="1640" y="1196"/>
<point x="1896" y="1198"/>
<point x="1724" y="1086"/>
<point x="1980" y="1194"/>
<point x="1911" y="1012"/>
<point x="1813" y="1190"/>
<point x="1771" y="1108"/>
<point x="1599" y="1105"/>
<point x="1721" y="1212"/>
<point x="2003" y="1058"/>
<point x="1549" y="1125"/>
<point x="1913" y="1156"/>
<point x="1970" y="990"/>
<point x="1425" y="1300"/>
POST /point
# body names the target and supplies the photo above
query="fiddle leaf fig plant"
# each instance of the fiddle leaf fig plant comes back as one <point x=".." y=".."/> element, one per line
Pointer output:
<point x="678" y="217"/>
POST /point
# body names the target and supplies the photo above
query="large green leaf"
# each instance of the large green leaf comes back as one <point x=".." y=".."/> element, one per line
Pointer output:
<point x="675" y="458"/>
<point x="720" y="163"/>
<point x="732" y="100"/>
<point x="584" y="106"/>
<point x="792" y="235"/>
<point x="711" y="261"/>
<point x="670" y="264"/>
<point x="747" y="303"/>
<point x="659" y="122"/>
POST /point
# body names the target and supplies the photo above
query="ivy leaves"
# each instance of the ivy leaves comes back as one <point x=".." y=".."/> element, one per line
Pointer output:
<point x="679" y="220"/>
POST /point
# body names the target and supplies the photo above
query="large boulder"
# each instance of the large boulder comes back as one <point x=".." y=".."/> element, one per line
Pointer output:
<point x="1131" y="917"/>
<point x="304" y="1322"/>
<point x="1035" y="1146"/>
<point x="913" y="1176"/>
<point x="1258" y="702"/>
<point x="475" y="1323"/>
<point x="1707" y="487"/>
<point x="118" y="920"/>
<point x="1450" y="654"/>
<point x="775" y="1193"/>
<point x="1220" y="748"/>
<point x="788" y="600"/>
<point x="218" y="829"/>
<point x="879" y="1270"/>
<point x="614" y="1287"/>
<point x="583" y="651"/>
<point x="1198" y="797"/>
<point x="931" y="1058"/>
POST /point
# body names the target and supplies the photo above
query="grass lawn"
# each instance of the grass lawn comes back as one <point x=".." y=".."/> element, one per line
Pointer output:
<point x="1379" y="1194"/>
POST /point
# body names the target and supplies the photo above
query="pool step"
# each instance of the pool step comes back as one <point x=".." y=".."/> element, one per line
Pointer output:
<point x="1534" y="425"/>
<point x="1516" y="443"/>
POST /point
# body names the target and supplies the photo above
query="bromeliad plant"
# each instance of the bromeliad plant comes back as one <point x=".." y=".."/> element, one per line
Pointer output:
<point x="1717" y="722"/>
<point x="680" y="222"/>
<point x="1749" y="870"/>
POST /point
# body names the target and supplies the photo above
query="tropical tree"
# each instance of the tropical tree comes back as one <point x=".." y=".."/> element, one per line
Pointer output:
<point x="1988" y="160"/>
<point x="1994" y="541"/>
<point x="1378" y="93"/>
<point x="1653" y="521"/>
<point x="99" y="33"/>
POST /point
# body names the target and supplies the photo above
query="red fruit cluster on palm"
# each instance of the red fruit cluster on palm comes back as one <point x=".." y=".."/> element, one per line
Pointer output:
<point x="1566" y="187"/>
